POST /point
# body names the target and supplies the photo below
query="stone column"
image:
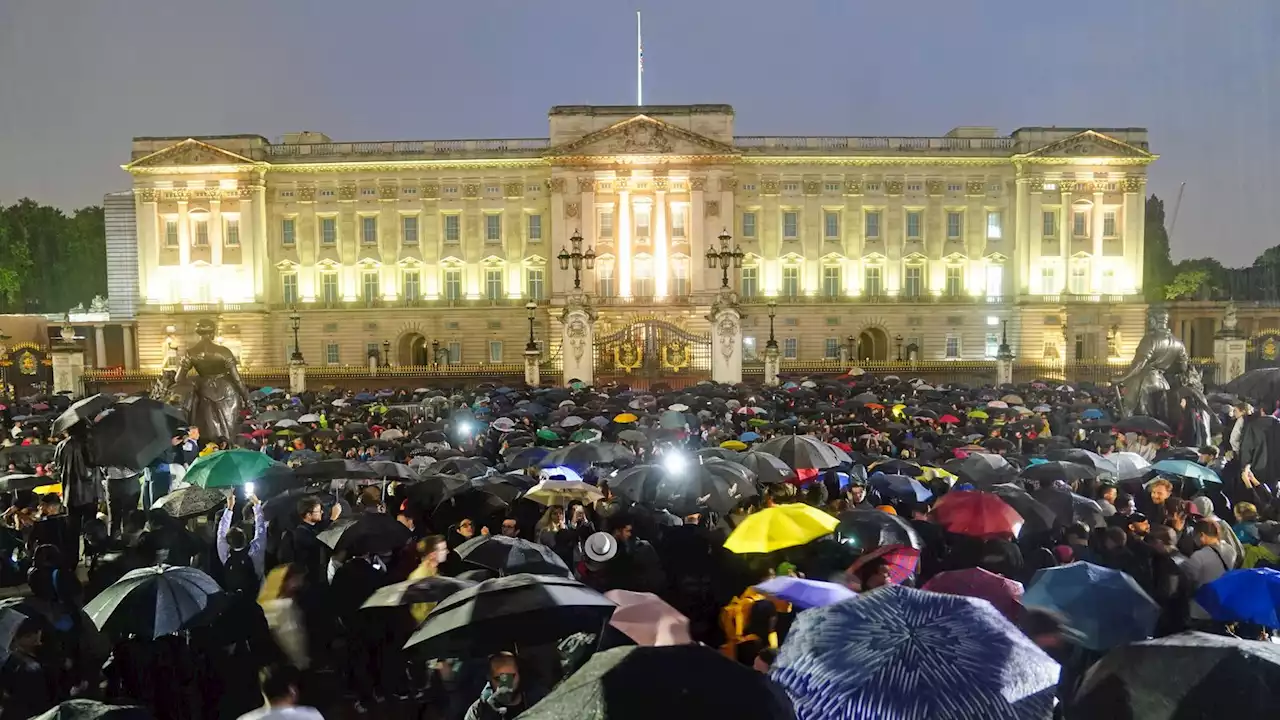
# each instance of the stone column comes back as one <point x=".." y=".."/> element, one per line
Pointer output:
<point x="1066" y="225"/>
<point x="701" y="278"/>
<point x="623" y="233"/>
<point x="532" y="369"/>
<point x="184" y="240"/>
<point x="772" y="363"/>
<point x="297" y="376"/>
<point x="662" y="269"/>
<point x="577" y="327"/>
<point x="1095" y="267"/>
<point x="1134" y="218"/>
<point x="215" y="235"/>
<point x="1229" y="349"/>
<point x="99" y="347"/>
<point x="726" y="338"/>
<point x="130" y="352"/>
<point x="68" y="363"/>
<point x="148" y="240"/>
<point x="1022" y="237"/>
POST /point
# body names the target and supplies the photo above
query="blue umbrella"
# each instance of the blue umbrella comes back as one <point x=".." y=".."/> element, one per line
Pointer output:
<point x="1187" y="469"/>
<point x="903" y="487"/>
<point x="749" y="436"/>
<point x="805" y="594"/>
<point x="1106" y="607"/>
<point x="897" y="652"/>
<point x="1251" y="596"/>
<point x="365" y="397"/>
<point x="1093" y="414"/>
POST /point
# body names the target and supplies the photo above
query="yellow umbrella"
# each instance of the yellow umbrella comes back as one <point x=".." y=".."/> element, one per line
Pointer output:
<point x="733" y="445"/>
<point x="981" y="414"/>
<point x="780" y="527"/>
<point x="55" y="488"/>
<point x="933" y="473"/>
<point x="625" y="418"/>
<point x="897" y="410"/>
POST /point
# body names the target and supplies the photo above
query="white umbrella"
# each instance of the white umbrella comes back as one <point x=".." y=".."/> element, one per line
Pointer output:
<point x="1129" y="465"/>
<point x="392" y="434"/>
<point x="555" y="492"/>
<point x="678" y="407"/>
<point x="309" y="418"/>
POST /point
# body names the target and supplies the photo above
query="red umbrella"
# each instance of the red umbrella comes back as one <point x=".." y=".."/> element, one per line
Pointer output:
<point x="1000" y="591"/>
<point x="900" y="560"/>
<point x="949" y="420"/>
<point x="977" y="514"/>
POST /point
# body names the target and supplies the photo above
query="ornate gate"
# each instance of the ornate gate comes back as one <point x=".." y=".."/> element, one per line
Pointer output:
<point x="25" y="369"/>
<point x="1263" y="349"/>
<point x="647" y="351"/>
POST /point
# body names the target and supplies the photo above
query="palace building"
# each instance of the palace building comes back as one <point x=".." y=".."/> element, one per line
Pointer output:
<point x="875" y="248"/>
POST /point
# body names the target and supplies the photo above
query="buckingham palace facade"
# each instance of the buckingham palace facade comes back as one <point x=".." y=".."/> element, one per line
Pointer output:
<point x="870" y="247"/>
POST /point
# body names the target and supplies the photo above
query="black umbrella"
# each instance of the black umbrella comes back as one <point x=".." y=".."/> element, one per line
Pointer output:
<point x="1143" y="425"/>
<point x="425" y="590"/>
<point x="24" y="481"/>
<point x="400" y="471"/>
<point x="509" y="556"/>
<point x="134" y="432"/>
<point x="981" y="469"/>
<point x="1036" y="517"/>
<point x="674" y="682"/>
<point x="803" y="452"/>
<point x="335" y="470"/>
<point x="769" y="469"/>
<point x="685" y="488"/>
<point x="377" y="533"/>
<point x="865" y="530"/>
<point x="1060" y="470"/>
<point x="93" y="710"/>
<point x="26" y="456"/>
<point x="503" y="613"/>
<point x="192" y="501"/>
<point x="1188" y="675"/>
<point x="1261" y="385"/>
<point x="471" y="467"/>
<point x="82" y="410"/>
<point x="1087" y="458"/>
<point x="155" y="601"/>
<point x="583" y="455"/>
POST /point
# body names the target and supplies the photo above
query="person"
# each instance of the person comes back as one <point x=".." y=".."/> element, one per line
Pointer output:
<point x="636" y="566"/>
<point x="54" y="528"/>
<point x="304" y="546"/>
<point x="503" y="696"/>
<point x="510" y="527"/>
<point x="26" y="685"/>
<point x="124" y="490"/>
<point x="1205" y="565"/>
<point x="436" y="552"/>
<point x="242" y="561"/>
<point x="280" y="685"/>
<point x="1229" y="546"/>
<point x="1153" y="503"/>
<point x="1169" y="587"/>
<point x="81" y="485"/>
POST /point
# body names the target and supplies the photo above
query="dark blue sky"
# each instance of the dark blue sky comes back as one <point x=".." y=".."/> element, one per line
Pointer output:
<point x="79" y="78"/>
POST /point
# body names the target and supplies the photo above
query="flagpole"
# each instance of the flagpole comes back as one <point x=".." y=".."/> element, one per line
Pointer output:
<point x="639" y="63"/>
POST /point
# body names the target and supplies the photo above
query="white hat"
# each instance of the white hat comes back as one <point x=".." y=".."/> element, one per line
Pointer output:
<point x="600" y="547"/>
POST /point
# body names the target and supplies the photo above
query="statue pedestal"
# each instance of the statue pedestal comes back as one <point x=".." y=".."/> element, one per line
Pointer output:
<point x="1229" y="352"/>
<point x="577" y="339"/>
<point x="532" y="371"/>
<point x="297" y="377"/>
<point x="68" y="369"/>
<point x="726" y="338"/>
<point x="772" y="365"/>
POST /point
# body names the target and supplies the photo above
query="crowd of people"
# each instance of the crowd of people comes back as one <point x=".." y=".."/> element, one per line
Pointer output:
<point x="407" y="553"/>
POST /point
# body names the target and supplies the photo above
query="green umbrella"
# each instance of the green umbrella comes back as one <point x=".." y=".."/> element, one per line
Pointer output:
<point x="757" y="422"/>
<point x="547" y="434"/>
<point x="589" y="435"/>
<point x="228" y="468"/>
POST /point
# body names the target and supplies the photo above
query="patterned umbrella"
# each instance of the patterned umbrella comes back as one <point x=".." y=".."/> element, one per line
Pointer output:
<point x="191" y="501"/>
<point x="896" y="652"/>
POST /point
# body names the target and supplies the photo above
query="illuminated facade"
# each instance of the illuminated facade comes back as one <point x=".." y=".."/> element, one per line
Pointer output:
<point x="879" y="246"/>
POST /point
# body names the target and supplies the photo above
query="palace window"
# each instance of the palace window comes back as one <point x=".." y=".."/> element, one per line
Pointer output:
<point x="831" y="225"/>
<point x="289" y="288"/>
<point x="534" y="284"/>
<point x="750" y="281"/>
<point x="409" y="229"/>
<point x="604" y="223"/>
<point x="605" y="285"/>
<point x="370" y="285"/>
<point x="679" y="277"/>
<point x="995" y="280"/>
<point x="492" y="228"/>
<point x="831" y="348"/>
<point x="453" y="284"/>
<point x="642" y="277"/>
<point x="1049" y="224"/>
<point x="992" y="346"/>
<point x="533" y="223"/>
<point x="201" y="235"/>
<point x="790" y="225"/>
<point x="832" y="280"/>
<point x="1109" y="224"/>
<point x="412" y="284"/>
<point x="953" y="347"/>
<point x="994" y="230"/>
<point x="748" y="224"/>
<point x="643" y="214"/>
<point x="954" y="281"/>
<point x="495" y="351"/>
<point x="1078" y="281"/>
<point x="790" y="281"/>
<point x="913" y="282"/>
<point x="455" y="353"/>
<point x="872" y="283"/>
<point x="328" y="230"/>
<point x="872" y="219"/>
<point x="1080" y="223"/>
<point x="171" y="233"/>
<point x="453" y="228"/>
<point x="955" y="224"/>
<point x="1048" y="279"/>
<point x="329" y="288"/>
<point x="790" y="348"/>
<point x="231" y="232"/>
<point x="913" y="224"/>
<point x="288" y="231"/>
<point x="678" y="215"/>
<point x="493" y="283"/>
<point x="332" y="356"/>
<point x="369" y="230"/>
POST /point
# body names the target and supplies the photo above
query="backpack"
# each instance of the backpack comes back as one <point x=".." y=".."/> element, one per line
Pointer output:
<point x="239" y="575"/>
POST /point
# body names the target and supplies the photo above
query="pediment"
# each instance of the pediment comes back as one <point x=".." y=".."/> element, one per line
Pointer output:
<point x="190" y="152"/>
<point x="996" y="257"/>
<point x="642" y="135"/>
<point x="1089" y="143"/>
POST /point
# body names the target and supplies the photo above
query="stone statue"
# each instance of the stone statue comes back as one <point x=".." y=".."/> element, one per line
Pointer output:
<point x="218" y="394"/>
<point x="1160" y="370"/>
<point x="1230" y="319"/>
<point x="98" y="304"/>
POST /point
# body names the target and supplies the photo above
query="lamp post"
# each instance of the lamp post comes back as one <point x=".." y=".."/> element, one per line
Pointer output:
<point x="773" y="312"/>
<point x="897" y="339"/>
<point x="4" y="363"/>
<point x="295" y="322"/>
<point x="577" y="259"/>
<point x="386" y="353"/>
<point x="724" y="258"/>
<point x="852" y="343"/>
<point x="435" y="351"/>
<point x="532" y="345"/>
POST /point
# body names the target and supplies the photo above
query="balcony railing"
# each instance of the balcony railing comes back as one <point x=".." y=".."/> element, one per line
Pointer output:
<point x="644" y="300"/>
<point x="402" y="148"/>
<point x="209" y="307"/>
<point x="818" y="144"/>
<point x="872" y="299"/>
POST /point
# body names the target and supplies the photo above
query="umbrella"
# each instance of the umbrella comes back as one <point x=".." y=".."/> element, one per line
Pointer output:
<point x="1129" y="465"/>
<point x="501" y="613"/>
<point x="805" y="593"/>
<point x="647" y="619"/>
<point x="387" y="469"/>
<point x="1261" y="385"/>
<point x="191" y="501"/>
<point x="779" y="527"/>
<point x="1251" y="596"/>
<point x="903" y="487"/>
<point x="557" y="492"/>
<point x="675" y="682"/>
<point x="1195" y="472"/>
<point x="1107" y="607"/>
<point x="1000" y="591"/>
<point x="981" y="469"/>
<point x="228" y="468"/>
<point x="582" y="456"/>
<point x="1067" y="472"/>
<point x="135" y="431"/>
<point x="865" y="530"/>
<point x="1036" y="516"/>
<point x="509" y="556"/>
<point x="425" y="590"/>
<point x="154" y="601"/>
<point x="1084" y="457"/>
<point x="896" y="652"/>
<point x="82" y="410"/>
<point x="336" y="469"/>
<point x="633" y="436"/>
<point x="80" y="709"/>
<point x="977" y="514"/>
<point x="802" y="452"/>
<point x="378" y="533"/>
<point x="1183" y="676"/>
<point x="23" y="481"/>
<point x="687" y="488"/>
<point x="769" y="469"/>
<point x="1141" y="424"/>
<point x="624" y="418"/>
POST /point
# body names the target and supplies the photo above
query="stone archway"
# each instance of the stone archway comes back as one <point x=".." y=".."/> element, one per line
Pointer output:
<point x="413" y="349"/>
<point x="873" y="345"/>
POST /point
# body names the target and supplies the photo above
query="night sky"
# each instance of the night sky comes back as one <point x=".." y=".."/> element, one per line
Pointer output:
<point x="80" y="78"/>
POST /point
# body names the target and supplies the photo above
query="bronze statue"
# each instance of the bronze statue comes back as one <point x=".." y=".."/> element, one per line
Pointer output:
<point x="1160" y="371"/>
<point x="218" y="394"/>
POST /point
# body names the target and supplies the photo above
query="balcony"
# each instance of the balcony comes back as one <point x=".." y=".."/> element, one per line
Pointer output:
<point x="436" y="303"/>
<point x="199" y="308"/>
<point x="1082" y="298"/>
<point x="874" y="299"/>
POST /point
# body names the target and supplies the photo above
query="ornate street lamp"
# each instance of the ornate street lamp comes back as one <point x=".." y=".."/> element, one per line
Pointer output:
<point x="725" y="257"/>
<point x="852" y="342"/>
<point x="295" y="322"/>
<point x="532" y="345"/>
<point x="897" y="339"/>
<point x="773" y="311"/>
<point x="435" y="351"/>
<point x="577" y="259"/>
<point x="386" y="353"/>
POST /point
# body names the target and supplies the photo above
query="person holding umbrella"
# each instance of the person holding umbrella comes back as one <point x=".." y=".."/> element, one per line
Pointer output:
<point x="81" y="483"/>
<point x="503" y="697"/>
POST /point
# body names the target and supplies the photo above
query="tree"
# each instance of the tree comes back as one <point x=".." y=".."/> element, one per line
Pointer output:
<point x="49" y="261"/>
<point x="1186" y="285"/>
<point x="1269" y="258"/>
<point x="1157" y="268"/>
